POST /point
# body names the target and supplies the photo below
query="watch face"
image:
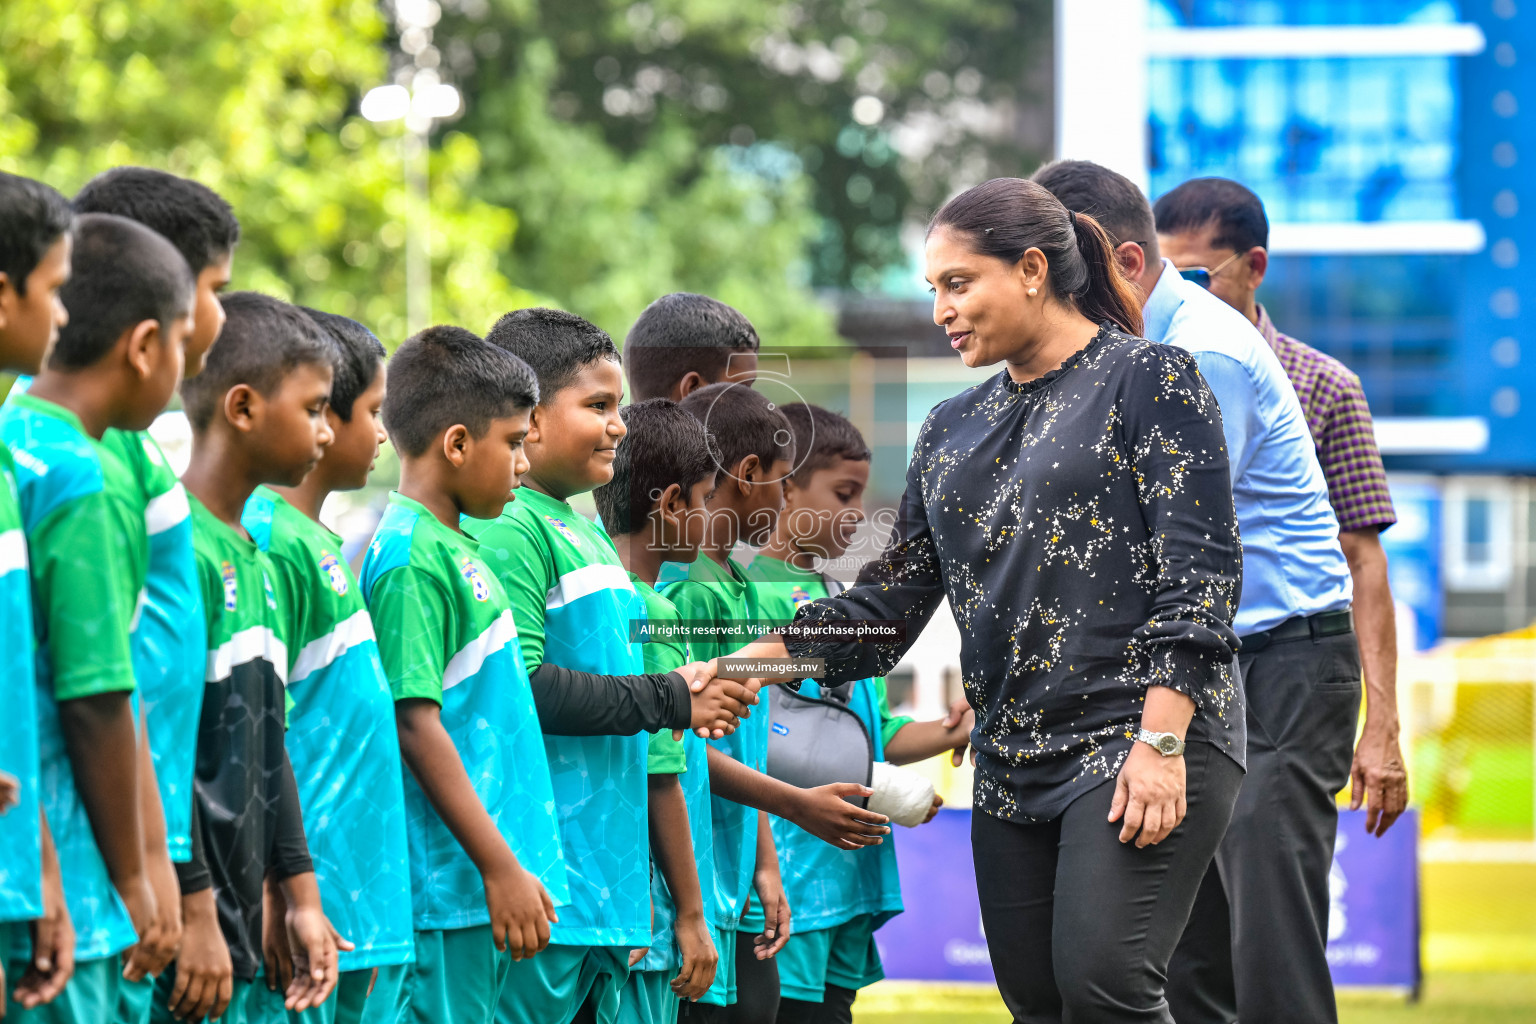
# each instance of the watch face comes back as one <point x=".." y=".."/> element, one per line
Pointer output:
<point x="1168" y="743"/>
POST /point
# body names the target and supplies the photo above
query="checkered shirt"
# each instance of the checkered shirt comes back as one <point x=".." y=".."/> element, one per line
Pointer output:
<point x="1340" y="421"/>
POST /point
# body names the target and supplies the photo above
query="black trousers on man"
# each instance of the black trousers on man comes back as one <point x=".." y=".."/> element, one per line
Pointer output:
<point x="1254" y="950"/>
<point x="1080" y="925"/>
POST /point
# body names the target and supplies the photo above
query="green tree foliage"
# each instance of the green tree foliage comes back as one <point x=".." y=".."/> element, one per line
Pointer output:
<point x="879" y="109"/>
<point x="256" y="98"/>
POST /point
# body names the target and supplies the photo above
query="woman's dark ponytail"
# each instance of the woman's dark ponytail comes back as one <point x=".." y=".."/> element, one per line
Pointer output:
<point x="1108" y="294"/>
<point x="1006" y="217"/>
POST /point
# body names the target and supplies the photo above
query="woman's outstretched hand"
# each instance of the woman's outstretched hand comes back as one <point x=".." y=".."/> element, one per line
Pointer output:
<point x="1149" y="794"/>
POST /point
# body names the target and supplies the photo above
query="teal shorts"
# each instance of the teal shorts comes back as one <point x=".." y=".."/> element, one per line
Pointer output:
<point x="552" y="985"/>
<point x="89" y="998"/>
<point x="134" y="1000"/>
<point x="352" y="1003"/>
<point x="648" y="998"/>
<point x="456" y="979"/>
<point x="722" y="991"/>
<point x="250" y="1002"/>
<point x="843" y="955"/>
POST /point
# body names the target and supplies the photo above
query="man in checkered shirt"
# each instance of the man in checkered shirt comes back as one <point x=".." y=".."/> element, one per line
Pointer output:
<point x="1219" y="225"/>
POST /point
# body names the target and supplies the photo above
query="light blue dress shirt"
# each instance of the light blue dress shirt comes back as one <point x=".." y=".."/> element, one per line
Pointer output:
<point x="1292" y="562"/>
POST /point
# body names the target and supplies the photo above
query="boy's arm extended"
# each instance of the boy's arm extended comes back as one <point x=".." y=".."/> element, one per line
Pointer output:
<point x="918" y="741"/>
<point x="575" y="703"/>
<point x="521" y="909"/>
<point x="821" y="811"/>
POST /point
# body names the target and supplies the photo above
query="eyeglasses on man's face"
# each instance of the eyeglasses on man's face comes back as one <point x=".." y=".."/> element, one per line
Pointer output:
<point x="1202" y="275"/>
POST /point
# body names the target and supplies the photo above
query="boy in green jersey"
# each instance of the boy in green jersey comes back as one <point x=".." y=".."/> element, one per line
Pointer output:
<point x="341" y="724"/>
<point x="573" y="602"/>
<point x="34" y="264"/>
<point x="486" y="866"/>
<point x="683" y="342"/>
<point x="116" y="364"/>
<point x="168" y="657"/>
<point x="756" y="451"/>
<point x="654" y="511"/>
<point x="840" y="896"/>
<point x="258" y="417"/>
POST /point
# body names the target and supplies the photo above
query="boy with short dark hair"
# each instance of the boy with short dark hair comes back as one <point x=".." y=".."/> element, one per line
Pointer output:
<point x="168" y="657"/>
<point x="573" y="602"/>
<point x="34" y="264"/>
<point x="486" y="866"/>
<point x="116" y="364"/>
<point x="258" y="417"/>
<point x="341" y="723"/>
<point x="840" y="896"/>
<point x="683" y="342"/>
<point x="654" y="511"/>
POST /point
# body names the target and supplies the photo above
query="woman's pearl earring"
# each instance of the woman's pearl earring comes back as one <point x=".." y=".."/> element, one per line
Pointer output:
<point x="1033" y="292"/>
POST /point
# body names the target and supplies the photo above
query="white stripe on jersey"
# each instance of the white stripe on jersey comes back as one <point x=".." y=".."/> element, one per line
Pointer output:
<point x="246" y="646"/>
<point x="589" y="579"/>
<point x="13" y="551"/>
<point x="166" y="511"/>
<point x="471" y="657"/>
<point x="322" y="652"/>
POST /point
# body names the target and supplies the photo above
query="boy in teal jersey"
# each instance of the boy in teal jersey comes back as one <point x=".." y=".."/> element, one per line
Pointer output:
<point x="168" y="657"/>
<point x="683" y="342"/>
<point x="573" y="603"/>
<point x="840" y="896"/>
<point x="654" y="511"/>
<point x="257" y="413"/>
<point x="116" y="364"/>
<point x="756" y="454"/>
<point x="34" y="264"/>
<point x="486" y="865"/>
<point x="341" y="724"/>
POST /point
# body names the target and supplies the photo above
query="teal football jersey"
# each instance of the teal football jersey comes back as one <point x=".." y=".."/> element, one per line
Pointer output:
<point x="446" y="634"/>
<point x="706" y="591"/>
<point x="665" y="656"/>
<point x="341" y="735"/>
<point x="825" y="885"/>
<point x="87" y="552"/>
<point x="573" y="602"/>
<point x="21" y="878"/>
<point x="169" y="641"/>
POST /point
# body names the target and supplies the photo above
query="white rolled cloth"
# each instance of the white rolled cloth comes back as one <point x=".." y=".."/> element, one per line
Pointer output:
<point x="901" y="794"/>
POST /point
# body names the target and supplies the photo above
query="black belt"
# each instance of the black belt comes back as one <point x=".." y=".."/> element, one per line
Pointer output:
<point x="1315" y="626"/>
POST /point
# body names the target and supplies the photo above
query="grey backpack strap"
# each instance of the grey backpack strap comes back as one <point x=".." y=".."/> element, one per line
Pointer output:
<point x="841" y="692"/>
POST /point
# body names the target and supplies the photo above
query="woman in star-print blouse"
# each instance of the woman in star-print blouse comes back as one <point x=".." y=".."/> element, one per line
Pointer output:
<point x="1076" y="510"/>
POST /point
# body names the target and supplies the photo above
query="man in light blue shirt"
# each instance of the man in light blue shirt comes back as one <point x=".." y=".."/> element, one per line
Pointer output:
<point x="1300" y="662"/>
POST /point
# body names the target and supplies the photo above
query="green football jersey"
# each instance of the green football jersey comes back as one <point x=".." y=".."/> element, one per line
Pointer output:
<point x="706" y="591"/>
<point x="446" y="633"/>
<point x="341" y="735"/>
<point x="242" y="762"/>
<point x="84" y="526"/>
<point x="689" y="758"/>
<point x="574" y="604"/>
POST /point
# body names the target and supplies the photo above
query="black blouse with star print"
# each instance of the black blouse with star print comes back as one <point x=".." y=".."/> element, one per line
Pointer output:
<point x="1081" y="526"/>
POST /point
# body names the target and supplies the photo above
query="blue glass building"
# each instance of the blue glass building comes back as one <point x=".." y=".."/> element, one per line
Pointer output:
<point x="1386" y="140"/>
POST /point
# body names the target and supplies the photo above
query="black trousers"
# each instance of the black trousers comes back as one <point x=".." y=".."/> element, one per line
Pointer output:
<point x="836" y="1007"/>
<point x="1254" y="949"/>
<point x="1079" y="925"/>
<point x="757" y="991"/>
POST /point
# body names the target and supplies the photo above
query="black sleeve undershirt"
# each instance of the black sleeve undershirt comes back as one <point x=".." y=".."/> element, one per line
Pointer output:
<point x="575" y="703"/>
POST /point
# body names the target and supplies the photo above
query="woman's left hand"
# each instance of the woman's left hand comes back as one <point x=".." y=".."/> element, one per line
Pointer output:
<point x="1149" y="793"/>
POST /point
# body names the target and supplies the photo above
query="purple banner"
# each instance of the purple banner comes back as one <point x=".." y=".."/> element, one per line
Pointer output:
<point x="1373" y="917"/>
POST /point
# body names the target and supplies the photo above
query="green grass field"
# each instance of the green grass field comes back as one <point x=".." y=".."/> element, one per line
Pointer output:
<point x="1447" y="999"/>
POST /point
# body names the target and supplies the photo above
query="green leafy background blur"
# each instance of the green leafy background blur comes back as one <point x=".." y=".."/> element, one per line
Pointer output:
<point x="607" y="152"/>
